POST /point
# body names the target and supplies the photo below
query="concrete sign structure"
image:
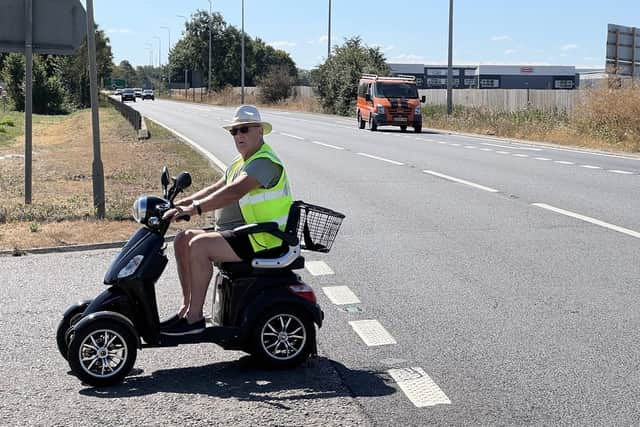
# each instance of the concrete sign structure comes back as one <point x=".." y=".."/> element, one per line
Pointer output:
<point x="623" y="50"/>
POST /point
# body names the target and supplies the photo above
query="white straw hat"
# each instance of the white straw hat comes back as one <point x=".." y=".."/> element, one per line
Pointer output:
<point x="248" y="114"/>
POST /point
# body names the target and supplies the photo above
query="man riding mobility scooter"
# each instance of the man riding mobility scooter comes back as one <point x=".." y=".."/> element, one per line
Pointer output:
<point x="261" y="306"/>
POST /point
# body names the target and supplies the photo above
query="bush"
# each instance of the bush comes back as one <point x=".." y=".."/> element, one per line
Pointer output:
<point x="276" y="84"/>
<point x="337" y="79"/>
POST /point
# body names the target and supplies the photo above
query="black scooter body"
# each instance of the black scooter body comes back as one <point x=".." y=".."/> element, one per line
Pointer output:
<point x="261" y="306"/>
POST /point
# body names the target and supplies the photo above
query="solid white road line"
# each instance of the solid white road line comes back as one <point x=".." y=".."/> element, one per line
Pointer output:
<point x="380" y="158"/>
<point x="318" y="268"/>
<point x="511" y="147"/>
<point x="291" y="136"/>
<point x="419" y="388"/>
<point x="621" y="172"/>
<point x="589" y="220"/>
<point x="461" y="181"/>
<point x="590" y="167"/>
<point x="372" y="332"/>
<point x="327" y="145"/>
<point x="340" y="295"/>
<point x="195" y="145"/>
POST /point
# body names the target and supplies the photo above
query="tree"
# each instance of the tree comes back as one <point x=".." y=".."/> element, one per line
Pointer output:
<point x="337" y="79"/>
<point x="48" y="94"/>
<point x="191" y="52"/>
<point x="126" y="72"/>
<point x="276" y="84"/>
<point x="74" y="69"/>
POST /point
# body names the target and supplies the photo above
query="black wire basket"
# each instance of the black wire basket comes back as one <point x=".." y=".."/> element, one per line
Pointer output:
<point x="315" y="226"/>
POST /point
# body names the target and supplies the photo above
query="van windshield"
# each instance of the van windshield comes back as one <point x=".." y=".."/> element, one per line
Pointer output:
<point x="396" y="90"/>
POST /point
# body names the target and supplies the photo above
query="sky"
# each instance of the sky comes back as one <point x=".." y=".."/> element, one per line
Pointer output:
<point x="534" y="32"/>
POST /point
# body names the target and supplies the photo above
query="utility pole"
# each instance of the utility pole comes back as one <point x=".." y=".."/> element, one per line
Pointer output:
<point x="450" y="63"/>
<point x="329" y="33"/>
<point x="209" y="87"/>
<point x="149" y="46"/>
<point x="242" y="44"/>
<point x="98" y="171"/>
<point x="28" y="105"/>
<point x="168" y="61"/>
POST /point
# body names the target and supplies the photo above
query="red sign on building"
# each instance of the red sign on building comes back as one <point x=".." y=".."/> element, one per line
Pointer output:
<point x="526" y="69"/>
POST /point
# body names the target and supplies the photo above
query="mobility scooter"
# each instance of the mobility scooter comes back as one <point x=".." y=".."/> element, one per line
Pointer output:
<point x="260" y="306"/>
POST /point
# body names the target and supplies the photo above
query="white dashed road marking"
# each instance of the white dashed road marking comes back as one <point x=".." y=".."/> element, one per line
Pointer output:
<point x="380" y="158"/>
<point x="327" y="145"/>
<point x="340" y="295"/>
<point x="590" y="167"/>
<point x="621" y="172"/>
<point x="512" y="147"/>
<point x="502" y="152"/>
<point x="544" y="159"/>
<point x="291" y="136"/>
<point x="318" y="268"/>
<point x="589" y="220"/>
<point x="520" y="155"/>
<point x="372" y="332"/>
<point x="461" y="181"/>
<point x="563" y="162"/>
<point x="419" y="387"/>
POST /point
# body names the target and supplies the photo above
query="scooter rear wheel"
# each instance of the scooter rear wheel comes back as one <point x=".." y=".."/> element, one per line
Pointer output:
<point x="283" y="337"/>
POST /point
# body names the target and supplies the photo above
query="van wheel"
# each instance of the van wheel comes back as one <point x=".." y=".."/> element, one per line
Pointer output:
<point x="361" y="123"/>
<point x="403" y="128"/>
<point x="372" y="124"/>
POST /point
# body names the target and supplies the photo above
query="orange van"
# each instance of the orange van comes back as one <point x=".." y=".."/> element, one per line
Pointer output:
<point x="389" y="101"/>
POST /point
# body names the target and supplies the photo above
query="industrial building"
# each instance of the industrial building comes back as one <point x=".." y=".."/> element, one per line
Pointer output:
<point x="491" y="76"/>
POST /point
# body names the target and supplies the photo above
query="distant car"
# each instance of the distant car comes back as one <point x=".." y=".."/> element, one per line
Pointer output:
<point x="148" y="94"/>
<point x="128" y="95"/>
<point x="118" y="92"/>
<point x="138" y="92"/>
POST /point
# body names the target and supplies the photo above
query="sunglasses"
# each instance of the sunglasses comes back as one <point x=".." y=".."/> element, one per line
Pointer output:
<point x="243" y="129"/>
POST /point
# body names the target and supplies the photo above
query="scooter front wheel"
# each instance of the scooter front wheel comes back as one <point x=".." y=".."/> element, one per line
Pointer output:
<point x="283" y="337"/>
<point x="102" y="352"/>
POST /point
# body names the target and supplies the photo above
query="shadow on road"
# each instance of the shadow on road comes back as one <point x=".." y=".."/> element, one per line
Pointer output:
<point x="241" y="379"/>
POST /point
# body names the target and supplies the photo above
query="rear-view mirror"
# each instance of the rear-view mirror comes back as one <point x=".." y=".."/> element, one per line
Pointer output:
<point x="367" y="97"/>
<point x="165" y="177"/>
<point x="183" y="181"/>
<point x="423" y="99"/>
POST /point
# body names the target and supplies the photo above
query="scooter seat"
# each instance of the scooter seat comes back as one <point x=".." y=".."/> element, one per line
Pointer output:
<point x="245" y="268"/>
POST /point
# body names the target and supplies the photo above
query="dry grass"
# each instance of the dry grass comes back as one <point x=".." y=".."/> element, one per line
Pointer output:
<point x="62" y="209"/>
<point x="607" y="119"/>
<point x="230" y="97"/>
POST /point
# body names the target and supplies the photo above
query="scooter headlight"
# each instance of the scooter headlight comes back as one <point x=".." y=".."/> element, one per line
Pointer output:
<point x="131" y="266"/>
<point x="140" y="209"/>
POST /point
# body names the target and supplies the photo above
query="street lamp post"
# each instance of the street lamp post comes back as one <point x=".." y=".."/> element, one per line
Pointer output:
<point x="159" y="50"/>
<point x="209" y="86"/>
<point x="149" y="46"/>
<point x="168" y="61"/>
<point x="242" y="48"/>
<point x="329" y="33"/>
<point x="450" y="62"/>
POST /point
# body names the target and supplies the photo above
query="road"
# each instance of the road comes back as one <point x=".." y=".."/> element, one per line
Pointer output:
<point x="475" y="280"/>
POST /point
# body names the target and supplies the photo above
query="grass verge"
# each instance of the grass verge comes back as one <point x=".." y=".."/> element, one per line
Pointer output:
<point x="605" y="120"/>
<point x="61" y="212"/>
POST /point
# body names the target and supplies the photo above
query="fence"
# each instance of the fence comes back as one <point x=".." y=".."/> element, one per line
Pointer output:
<point x="127" y="112"/>
<point x="509" y="100"/>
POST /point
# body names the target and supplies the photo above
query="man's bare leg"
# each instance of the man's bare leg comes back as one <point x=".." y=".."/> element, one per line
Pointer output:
<point x="204" y="249"/>
<point x="182" y="254"/>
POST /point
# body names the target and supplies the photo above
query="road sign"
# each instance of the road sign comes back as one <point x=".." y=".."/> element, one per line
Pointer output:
<point x="114" y="83"/>
<point x="623" y="50"/>
<point x="59" y="26"/>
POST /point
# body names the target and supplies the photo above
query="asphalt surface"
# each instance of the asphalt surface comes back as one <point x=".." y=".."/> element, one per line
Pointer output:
<point x="507" y="272"/>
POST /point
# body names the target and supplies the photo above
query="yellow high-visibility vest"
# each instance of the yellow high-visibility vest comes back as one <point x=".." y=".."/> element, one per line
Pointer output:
<point x="264" y="204"/>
